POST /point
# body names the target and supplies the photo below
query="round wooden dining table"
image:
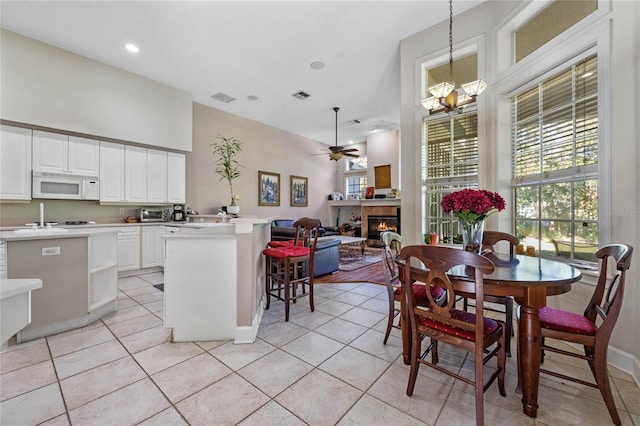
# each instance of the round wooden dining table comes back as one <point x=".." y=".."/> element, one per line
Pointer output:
<point x="529" y="280"/>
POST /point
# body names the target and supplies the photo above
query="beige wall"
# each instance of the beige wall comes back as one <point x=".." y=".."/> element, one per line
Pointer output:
<point x="264" y="148"/>
<point x="480" y="24"/>
<point x="50" y="87"/>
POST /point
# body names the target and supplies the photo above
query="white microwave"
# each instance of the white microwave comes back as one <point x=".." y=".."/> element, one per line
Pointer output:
<point x="65" y="186"/>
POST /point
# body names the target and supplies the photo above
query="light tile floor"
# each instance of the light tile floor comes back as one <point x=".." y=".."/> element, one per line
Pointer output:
<point x="323" y="368"/>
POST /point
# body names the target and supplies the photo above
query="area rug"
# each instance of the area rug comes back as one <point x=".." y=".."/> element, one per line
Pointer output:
<point x="351" y="257"/>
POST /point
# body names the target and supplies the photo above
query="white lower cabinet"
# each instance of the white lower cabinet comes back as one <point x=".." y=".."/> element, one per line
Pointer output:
<point x="129" y="248"/>
<point x="152" y="252"/>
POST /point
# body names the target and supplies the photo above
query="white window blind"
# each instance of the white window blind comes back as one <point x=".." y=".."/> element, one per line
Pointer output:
<point x="555" y="162"/>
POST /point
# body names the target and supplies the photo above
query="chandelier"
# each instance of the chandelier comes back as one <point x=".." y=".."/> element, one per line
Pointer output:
<point x="444" y="96"/>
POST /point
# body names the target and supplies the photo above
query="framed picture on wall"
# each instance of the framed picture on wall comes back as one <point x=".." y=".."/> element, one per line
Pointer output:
<point x="299" y="191"/>
<point x="383" y="176"/>
<point x="268" y="189"/>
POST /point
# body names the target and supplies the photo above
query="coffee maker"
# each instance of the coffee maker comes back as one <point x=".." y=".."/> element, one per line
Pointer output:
<point x="178" y="214"/>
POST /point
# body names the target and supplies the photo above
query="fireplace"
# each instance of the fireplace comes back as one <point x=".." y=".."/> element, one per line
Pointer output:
<point x="379" y="224"/>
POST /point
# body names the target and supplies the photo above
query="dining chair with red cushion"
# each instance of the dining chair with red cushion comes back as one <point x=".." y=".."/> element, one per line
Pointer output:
<point x="445" y="324"/>
<point x="593" y="328"/>
<point x="391" y="245"/>
<point x="289" y="265"/>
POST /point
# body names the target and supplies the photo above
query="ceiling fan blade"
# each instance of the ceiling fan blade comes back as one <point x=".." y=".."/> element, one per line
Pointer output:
<point x="351" y="155"/>
<point x="350" y="150"/>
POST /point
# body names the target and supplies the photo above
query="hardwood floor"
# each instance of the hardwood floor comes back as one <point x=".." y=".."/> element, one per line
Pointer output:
<point x="372" y="273"/>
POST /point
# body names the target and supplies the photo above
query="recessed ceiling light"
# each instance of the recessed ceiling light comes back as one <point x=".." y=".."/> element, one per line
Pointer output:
<point x="317" y="65"/>
<point x="131" y="48"/>
<point x="350" y="142"/>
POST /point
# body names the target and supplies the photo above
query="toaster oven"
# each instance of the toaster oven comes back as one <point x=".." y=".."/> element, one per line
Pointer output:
<point x="152" y="215"/>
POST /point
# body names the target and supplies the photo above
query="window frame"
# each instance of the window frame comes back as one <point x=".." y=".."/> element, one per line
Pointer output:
<point x="447" y="226"/>
<point x="592" y="35"/>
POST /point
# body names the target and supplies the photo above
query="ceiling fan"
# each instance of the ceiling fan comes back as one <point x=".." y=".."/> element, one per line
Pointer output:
<point x="337" y="151"/>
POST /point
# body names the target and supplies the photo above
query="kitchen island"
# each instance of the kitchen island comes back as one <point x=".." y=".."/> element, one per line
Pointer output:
<point x="214" y="281"/>
<point x="79" y="273"/>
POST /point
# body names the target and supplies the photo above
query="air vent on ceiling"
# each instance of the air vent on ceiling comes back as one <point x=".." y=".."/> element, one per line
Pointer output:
<point x="384" y="125"/>
<point x="356" y="121"/>
<point x="222" y="97"/>
<point x="301" y="95"/>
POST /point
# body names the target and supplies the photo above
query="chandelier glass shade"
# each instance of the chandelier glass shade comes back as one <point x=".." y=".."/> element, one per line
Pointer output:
<point x="444" y="96"/>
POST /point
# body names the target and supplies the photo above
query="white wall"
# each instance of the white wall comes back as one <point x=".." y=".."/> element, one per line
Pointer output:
<point x="264" y="148"/>
<point x="46" y="86"/>
<point x="383" y="149"/>
<point x="479" y="24"/>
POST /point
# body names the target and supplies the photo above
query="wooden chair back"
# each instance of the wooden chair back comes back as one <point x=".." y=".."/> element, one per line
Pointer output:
<point x="491" y="238"/>
<point x="391" y="246"/>
<point x="439" y="260"/>
<point x="605" y="304"/>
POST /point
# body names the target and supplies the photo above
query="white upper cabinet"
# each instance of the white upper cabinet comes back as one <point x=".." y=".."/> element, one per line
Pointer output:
<point x="156" y="176"/>
<point x="84" y="156"/>
<point x="50" y="152"/>
<point x="111" y="172"/>
<point x="57" y="153"/>
<point x="15" y="163"/>
<point x="176" y="170"/>
<point x="135" y="174"/>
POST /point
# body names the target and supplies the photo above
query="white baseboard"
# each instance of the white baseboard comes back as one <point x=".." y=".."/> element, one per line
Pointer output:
<point x="625" y="362"/>
<point x="246" y="334"/>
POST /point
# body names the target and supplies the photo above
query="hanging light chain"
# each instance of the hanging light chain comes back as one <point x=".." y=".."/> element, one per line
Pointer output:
<point x="451" y="40"/>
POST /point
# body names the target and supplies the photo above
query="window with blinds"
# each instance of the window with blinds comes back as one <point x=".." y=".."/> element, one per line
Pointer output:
<point x="555" y="163"/>
<point x="449" y="163"/>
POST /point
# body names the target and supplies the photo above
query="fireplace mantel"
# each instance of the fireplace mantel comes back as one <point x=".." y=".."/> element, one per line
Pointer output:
<point x="340" y="211"/>
<point x="363" y="203"/>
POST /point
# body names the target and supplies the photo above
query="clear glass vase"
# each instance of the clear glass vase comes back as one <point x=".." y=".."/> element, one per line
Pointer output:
<point x="472" y="236"/>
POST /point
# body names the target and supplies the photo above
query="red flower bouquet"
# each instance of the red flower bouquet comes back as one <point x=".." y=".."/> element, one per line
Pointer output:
<point x="472" y="205"/>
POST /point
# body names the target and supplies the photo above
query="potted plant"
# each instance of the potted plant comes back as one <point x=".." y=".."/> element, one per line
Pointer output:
<point x="226" y="150"/>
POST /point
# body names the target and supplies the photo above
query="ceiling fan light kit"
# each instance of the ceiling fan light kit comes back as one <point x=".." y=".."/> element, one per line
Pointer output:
<point x="444" y="96"/>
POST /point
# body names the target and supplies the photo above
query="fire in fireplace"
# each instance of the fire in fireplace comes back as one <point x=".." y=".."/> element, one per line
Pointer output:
<point x="379" y="224"/>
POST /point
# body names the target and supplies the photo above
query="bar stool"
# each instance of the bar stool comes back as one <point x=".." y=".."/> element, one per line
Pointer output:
<point x="289" y="264"/>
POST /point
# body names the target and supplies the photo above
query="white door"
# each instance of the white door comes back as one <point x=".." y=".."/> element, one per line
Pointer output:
<point x="176" y="170"/>
<point x="84" y="156"/>
<point x="156" y="176"/>
<point x="15" y="163"/>
<point x="135" y="174"/>
<point x="50" y="152"/>
<point x="111" y="172"/>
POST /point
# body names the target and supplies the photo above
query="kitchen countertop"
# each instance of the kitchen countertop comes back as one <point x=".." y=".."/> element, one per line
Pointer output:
<point x="12" y="287"/>
<point x="8" y="233"/>
<point x="19" y="234"/>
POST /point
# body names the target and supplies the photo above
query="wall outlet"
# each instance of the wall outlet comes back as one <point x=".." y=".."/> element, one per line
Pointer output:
<point x="121" y="210"/>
